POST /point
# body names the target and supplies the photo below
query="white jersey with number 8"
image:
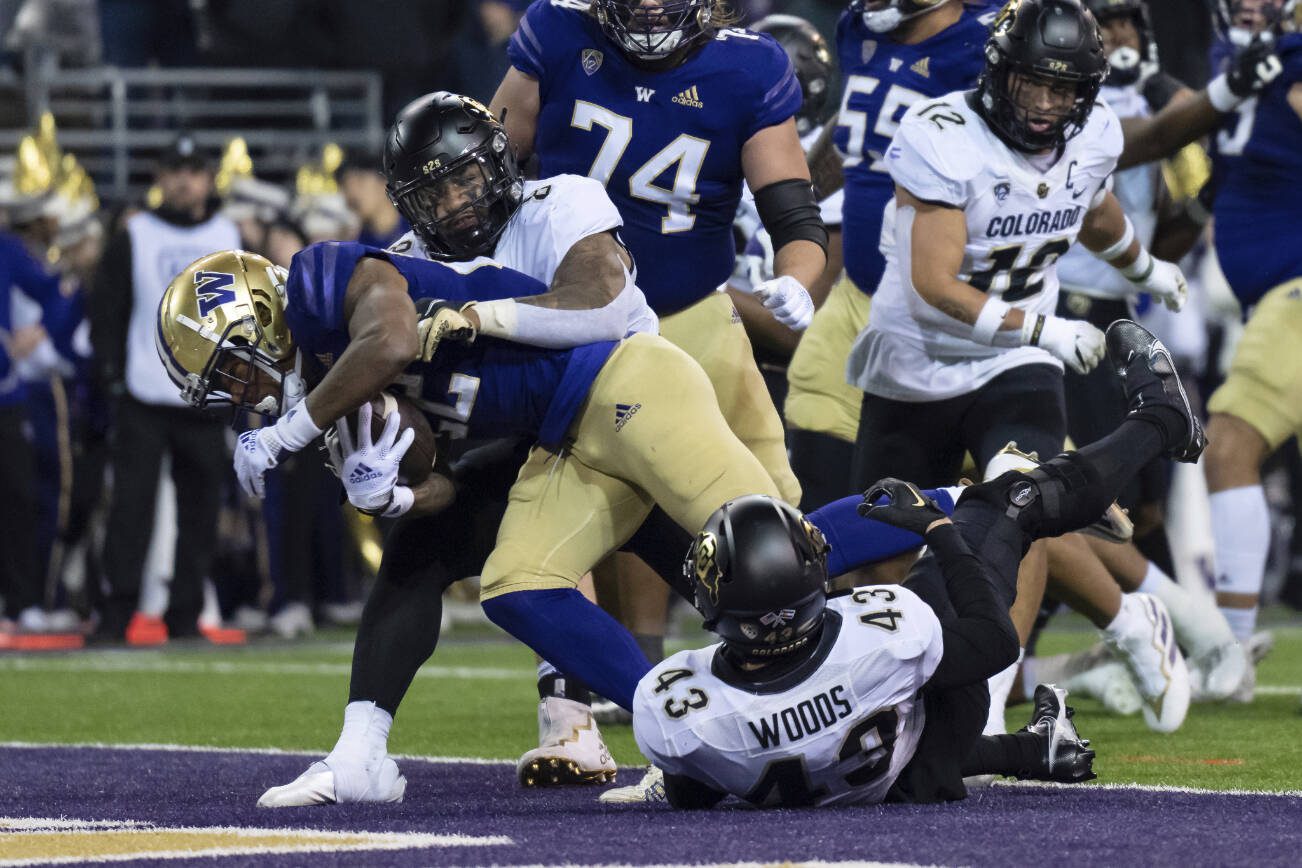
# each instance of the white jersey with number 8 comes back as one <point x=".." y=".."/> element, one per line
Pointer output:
<point x="838" y="729"/>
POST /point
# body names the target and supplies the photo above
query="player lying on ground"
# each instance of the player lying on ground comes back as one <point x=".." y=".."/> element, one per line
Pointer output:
<point x="882" y="695"/>
<point x="233" y="330"/>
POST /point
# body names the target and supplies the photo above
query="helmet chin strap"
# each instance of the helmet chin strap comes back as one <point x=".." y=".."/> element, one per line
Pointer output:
<point x="293" y="389"/>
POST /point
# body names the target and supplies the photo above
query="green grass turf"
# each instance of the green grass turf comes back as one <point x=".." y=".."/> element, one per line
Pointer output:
<point x="235" y="697"/>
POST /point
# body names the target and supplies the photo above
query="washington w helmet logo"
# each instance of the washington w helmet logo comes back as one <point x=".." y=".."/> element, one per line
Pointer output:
<point x="213" y="289"/>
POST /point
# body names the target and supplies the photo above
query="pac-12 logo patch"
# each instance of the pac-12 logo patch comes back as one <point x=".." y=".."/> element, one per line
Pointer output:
<point x="1002" y="189"/>
<point x="590" y="60"/>
<point x="213" y="289"/>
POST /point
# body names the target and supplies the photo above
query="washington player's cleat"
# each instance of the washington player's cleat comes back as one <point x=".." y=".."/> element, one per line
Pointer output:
<point x="570" y="748"/>
<point x="649" y="790"/>
<point x="1067" y="758"/>
<point x="1111" y="684"/>
<point x="1218" y="672"/>
<point x="1149" y="650"/>
<point x="1114" y="525"/>
<point x="1149" y="378"/>
<point x="322" y="785"/>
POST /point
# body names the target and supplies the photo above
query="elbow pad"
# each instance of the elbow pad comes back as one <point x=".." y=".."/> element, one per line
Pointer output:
<point x="790" y="212"/>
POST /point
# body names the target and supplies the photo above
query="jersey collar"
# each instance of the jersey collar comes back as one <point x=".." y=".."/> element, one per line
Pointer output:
<point x="780" y="677"/>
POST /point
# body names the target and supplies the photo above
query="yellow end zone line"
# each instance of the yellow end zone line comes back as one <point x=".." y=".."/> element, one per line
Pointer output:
<point x="96" y="842"/>
<point x="481" y="761"/>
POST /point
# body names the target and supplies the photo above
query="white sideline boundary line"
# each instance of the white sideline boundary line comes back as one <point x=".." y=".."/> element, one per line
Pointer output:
<point x="125" y="663"/>
<point x="480" y="761"/>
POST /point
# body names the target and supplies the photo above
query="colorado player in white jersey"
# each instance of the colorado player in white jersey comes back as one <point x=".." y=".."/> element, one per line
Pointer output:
<point x="880" y="695"/>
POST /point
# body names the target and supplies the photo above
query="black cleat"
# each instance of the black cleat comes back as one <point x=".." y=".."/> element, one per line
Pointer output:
<point x="1149" y="378"/>
<point x="1067" y="758"/>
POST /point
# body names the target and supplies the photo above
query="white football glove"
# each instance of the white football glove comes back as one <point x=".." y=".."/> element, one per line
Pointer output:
<point x="788" y="301"/>
<point x="1075" y="342"/>
<point x="1165" y="282"/>
<point x="260" y="450"/>
<point x="370" y="471"/>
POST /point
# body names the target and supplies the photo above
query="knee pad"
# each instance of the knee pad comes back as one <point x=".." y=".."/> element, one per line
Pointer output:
<point x="1060" y="496"/>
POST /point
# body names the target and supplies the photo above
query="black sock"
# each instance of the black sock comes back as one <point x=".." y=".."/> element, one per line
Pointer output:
<point x="554" y="683"/>
<point x="397" y="634"/>
<point x="652" y="646"/>
<point x="1018" y="753"/>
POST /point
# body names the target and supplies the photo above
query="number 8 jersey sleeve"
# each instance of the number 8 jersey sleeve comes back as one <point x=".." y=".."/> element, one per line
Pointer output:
<point x="837" y="729"/>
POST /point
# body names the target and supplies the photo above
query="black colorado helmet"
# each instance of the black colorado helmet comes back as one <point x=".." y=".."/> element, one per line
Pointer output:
<point x="811" y="59"/>
<point x="1125" y="63"/>
<point x="759" y="571"/>
<point x="451" y="172"/>
<point x="1055" y="43"/>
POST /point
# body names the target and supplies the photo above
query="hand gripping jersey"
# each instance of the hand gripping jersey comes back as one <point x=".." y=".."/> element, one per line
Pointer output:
<point x="838" y="729"/>
<point x="489" y="388"/>
<point x="666" y="145"/>
<point x="1136" y="189"/>
<point x="555" y="215"/>
<point x="1258" y="209"/>
<point x="1020" y="219"/>
<point x="882" y="78"/>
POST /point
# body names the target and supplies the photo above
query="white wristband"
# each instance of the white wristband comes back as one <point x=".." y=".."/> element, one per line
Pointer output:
<point x="400" y="502"/>
<point x="497" y="319"/>
<point x="1113" y="251"/>
<point x="1221" y="97"/>
<point x="989" y="320"/>
<point x="1139" y="270"/>
<point x="296" y="428"/>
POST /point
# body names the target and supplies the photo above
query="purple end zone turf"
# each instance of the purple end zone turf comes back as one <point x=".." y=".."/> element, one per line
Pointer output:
<point x="1004" y="825"/>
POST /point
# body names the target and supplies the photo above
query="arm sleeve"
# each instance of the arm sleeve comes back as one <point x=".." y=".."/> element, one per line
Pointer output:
<point x="981" y="641"/>
<point x="1160" y="88"/>
<point x="110" y="309"/>
<point x="689" y="794"/>
<point x="856" y="541"/>
<point x="779" y="96"/>
<point x="562" y="329"/>
<point x="916" y="165"/>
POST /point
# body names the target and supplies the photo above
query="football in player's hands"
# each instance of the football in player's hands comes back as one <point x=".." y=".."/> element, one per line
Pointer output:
<point x="418" y="461"/>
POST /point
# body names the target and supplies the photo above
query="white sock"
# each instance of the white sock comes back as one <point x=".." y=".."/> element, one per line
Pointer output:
<point x="365" y="735"/>
<point x="1242" y="621"/>
<point x="1198" y="624"/>
<point x="1030" y="675"/>
<point x="1001" y="684"/>
<point x="1122" y="623"/>
<point x="1241" y="533"/>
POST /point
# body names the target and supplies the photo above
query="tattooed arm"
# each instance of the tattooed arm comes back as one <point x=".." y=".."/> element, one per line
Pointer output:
<point x="929" y="243"/>
<point x="592" y="298"/>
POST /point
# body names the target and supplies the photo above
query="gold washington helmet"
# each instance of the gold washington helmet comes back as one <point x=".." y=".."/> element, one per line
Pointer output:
<point x="223" y="337"/>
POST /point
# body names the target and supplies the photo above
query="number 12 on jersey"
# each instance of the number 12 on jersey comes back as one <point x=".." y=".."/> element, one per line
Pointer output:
<point x="685" y="155"/>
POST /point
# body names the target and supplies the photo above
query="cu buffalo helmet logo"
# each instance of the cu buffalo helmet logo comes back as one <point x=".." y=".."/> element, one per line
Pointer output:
<point x="213" y="289"/>
<point x="707" y="569"/>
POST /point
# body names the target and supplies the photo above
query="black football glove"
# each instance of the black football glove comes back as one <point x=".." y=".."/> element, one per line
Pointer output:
<point x="440" y="321"/>
<point x="904" y="507"/>
<point x="1254" y="67"/>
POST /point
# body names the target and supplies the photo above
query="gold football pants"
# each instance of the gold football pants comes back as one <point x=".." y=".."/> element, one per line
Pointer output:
<point x="650" y="432"/>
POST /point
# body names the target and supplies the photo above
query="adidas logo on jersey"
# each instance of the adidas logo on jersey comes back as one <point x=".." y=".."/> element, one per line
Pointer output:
<point x="624" y="412"/>
<point x="690" y="98"/>
<point x="922" y="67"/>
